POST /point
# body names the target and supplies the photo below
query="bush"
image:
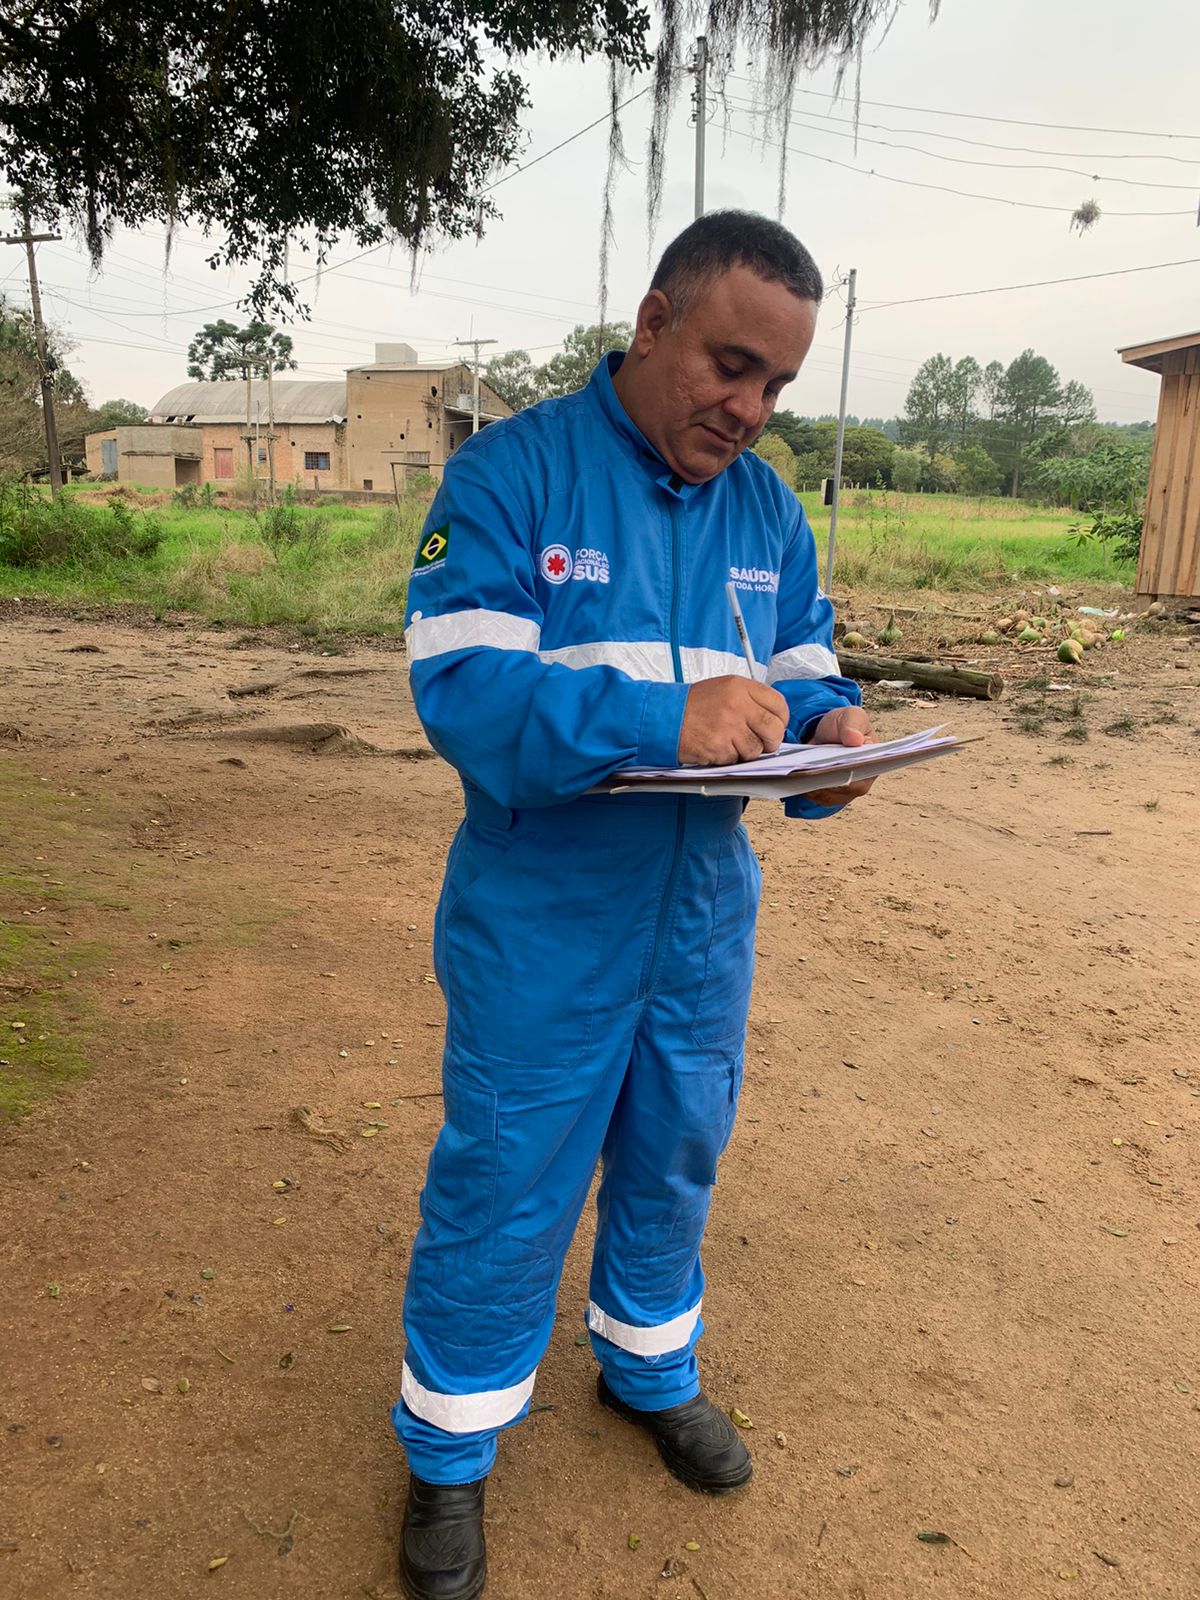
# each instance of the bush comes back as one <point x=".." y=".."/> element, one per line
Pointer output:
<point x="191" y="495"/>
<point x="37" y="532"/>
<point x="285" y="527"/>
<point x="1121" y="529"/>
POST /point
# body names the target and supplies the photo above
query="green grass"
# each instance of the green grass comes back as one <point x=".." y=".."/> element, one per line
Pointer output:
<point x="334" y="568"/>
<point x="338" y="569"/>
<point x="943" y="541"/>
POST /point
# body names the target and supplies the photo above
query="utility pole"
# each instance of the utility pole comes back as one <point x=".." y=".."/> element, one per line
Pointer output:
<point x="475" y="345"/>
<point x="45" y="376"/>
<point x="841" y="431"/>
<point x="700" y="101"/>
<point x="250" y="463"/>
<point x="271" y="426"/>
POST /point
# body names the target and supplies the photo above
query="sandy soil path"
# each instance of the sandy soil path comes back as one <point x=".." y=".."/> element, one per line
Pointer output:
<point x="955" y="1253"/>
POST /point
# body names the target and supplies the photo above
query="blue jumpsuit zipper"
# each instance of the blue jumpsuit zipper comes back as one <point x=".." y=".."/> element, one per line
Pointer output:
<point x="681" y="801"/>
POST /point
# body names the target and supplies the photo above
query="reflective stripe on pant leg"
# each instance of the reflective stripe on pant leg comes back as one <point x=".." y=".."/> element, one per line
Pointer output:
<point x="673" y="1119"/>
<point x="656" y="1341"/>
<point x="466" y="1413"/>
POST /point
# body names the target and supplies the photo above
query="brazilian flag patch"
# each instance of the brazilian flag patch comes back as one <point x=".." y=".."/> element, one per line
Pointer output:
<point x="431" y="551"/>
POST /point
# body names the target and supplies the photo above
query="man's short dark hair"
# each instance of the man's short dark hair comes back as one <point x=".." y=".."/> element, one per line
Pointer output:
<point x="723" y="239"/>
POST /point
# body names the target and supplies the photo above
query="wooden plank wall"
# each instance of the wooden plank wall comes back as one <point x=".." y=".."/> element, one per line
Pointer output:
<point x="1170" y="558"/>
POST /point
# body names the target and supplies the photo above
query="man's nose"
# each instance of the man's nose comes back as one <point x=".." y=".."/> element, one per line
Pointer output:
<point x="745" y="405"/>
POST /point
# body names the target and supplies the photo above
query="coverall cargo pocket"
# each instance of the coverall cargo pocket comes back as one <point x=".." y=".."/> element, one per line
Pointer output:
<point x="724" y="999"/>
<point x="520" y="955"/>
<point x="460" y="1186"/>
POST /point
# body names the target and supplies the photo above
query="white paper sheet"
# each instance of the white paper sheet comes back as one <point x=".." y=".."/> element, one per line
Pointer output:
<point x="790" y="770"/>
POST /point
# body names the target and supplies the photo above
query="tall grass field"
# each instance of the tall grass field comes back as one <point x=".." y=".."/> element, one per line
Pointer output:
<point x="340" y="568"/>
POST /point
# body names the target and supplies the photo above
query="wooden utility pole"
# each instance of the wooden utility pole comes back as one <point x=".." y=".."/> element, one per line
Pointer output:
<point x="475" y="344"/>
<point x="252" y="465"/>
<point x="271" y="425"/>
<point x="45" y="375"/>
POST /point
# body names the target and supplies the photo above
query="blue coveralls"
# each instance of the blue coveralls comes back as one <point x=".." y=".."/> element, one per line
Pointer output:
<point x="595" y="952"/>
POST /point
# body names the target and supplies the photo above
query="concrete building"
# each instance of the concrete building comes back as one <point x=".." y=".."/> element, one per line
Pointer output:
<point x="158" y="458"/>
<point x="403" y="417"/>
<point x="369" y="433"/>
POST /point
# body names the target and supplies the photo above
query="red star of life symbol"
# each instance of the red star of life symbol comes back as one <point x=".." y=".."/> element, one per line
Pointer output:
<point x="556" y="566"/>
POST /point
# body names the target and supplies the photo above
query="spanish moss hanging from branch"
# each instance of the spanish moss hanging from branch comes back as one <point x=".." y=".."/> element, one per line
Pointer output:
<point x="616" y="158"/>
<point x="782" y="39"/>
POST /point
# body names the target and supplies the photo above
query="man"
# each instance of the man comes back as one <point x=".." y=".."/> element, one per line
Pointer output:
<point x="568" y="616"/>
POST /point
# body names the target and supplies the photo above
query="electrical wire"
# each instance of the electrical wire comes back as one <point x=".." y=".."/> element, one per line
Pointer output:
<point x="985" y="144"/>
<point x="1041" y="283"/>
<point x="967" y="161"/>
<point x="554" y="149"/>
<point x="941" y="188"/>
<point x="1012" y="122"/>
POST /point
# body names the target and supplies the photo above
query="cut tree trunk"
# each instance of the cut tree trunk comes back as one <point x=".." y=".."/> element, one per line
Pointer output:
<point x="925" y="674"/>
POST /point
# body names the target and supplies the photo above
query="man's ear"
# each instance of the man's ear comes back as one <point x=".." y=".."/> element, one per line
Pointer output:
<point x="653" y="320"/>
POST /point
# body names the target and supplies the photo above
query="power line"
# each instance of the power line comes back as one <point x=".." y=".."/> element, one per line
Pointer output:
<point x="1041" y="283"/>
<point x="967" y="161"/>
<point x="1012" y="122"/>
<point x="554" y="149"/>
<point x="985" y="144"/>
<point x="941" y="188"/>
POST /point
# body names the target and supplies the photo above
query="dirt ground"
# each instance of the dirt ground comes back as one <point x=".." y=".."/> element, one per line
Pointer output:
<point x="954" y="1257"/>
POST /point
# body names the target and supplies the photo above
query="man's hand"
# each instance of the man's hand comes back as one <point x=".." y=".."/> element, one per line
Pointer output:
<point x="851" y="726"/>
<point x="731" y="719"/>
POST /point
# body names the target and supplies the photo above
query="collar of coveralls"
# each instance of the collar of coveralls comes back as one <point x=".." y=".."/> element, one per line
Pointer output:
<point x="631" y="436"/>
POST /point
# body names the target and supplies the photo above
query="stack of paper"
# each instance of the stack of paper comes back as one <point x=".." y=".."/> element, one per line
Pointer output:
<point x="790" y="770"/>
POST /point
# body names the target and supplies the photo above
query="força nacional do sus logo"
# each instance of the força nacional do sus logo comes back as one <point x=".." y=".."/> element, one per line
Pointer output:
<point x="557" y="565"/>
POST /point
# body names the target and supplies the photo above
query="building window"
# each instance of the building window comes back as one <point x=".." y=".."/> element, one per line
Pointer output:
<point x="368" y="483"/>
<point x="316" y="461"/>
<point x="262" y="456"/>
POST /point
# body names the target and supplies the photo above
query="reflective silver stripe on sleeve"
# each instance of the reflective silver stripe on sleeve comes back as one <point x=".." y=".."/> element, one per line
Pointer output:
<point x="649" y="660"/>
<point x="658" y="1341"/>
<point x="468" y="630"/>
<point x="803" y="661"/>
<point x="465" y="1413"/>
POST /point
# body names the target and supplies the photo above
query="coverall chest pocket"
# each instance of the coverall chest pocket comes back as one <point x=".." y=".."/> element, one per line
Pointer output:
<point x="723" y="1002"/>
<point x="519" y="948"/>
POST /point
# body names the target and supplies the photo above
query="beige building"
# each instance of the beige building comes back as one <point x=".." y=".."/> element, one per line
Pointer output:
<point x="403" y="417"/>
<point x="158" y="458"/>
<point x="370" y="433"/>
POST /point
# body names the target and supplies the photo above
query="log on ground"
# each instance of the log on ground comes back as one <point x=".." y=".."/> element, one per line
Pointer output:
<point x="939" y="676"/>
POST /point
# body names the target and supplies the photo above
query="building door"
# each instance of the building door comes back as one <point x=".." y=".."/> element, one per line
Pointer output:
<point x="222" y="462"/>
<point x="108" y="457"/>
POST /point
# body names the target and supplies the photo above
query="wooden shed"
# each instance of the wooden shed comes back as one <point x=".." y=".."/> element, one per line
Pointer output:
<point x="1170" y="559"/>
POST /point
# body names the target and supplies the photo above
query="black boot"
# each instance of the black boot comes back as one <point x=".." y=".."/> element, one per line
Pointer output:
<point x="697" y="1441"/>
<point x="441" y="1544"/>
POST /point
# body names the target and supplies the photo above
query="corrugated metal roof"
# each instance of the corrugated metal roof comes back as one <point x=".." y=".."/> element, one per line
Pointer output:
<point x="226" y="402"/>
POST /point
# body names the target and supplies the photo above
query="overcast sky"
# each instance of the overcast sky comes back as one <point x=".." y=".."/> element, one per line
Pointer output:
<point x="535" y="275"/>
